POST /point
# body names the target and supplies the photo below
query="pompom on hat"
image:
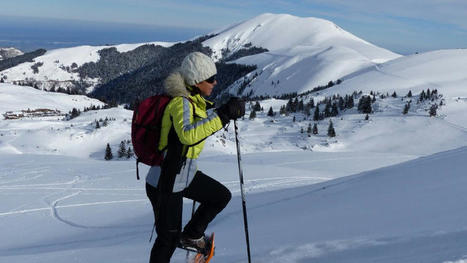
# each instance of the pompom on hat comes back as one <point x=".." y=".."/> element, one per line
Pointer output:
<point x="197" y="67"/>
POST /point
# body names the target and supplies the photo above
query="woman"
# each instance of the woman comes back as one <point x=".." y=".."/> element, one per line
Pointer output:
<point x="188" y="120"/>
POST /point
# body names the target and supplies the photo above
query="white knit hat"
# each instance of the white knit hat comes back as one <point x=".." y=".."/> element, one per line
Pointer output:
<point x="197" y="67"/>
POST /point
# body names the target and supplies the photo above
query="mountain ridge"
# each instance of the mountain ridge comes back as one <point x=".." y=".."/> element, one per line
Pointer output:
<point x="310" y="39"/>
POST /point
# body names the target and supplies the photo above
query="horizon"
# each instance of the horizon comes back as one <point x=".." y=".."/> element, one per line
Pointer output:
<point x="29" y="33"/>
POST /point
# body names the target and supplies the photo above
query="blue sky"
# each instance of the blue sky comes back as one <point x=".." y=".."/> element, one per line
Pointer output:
<point x="403" y="26"/>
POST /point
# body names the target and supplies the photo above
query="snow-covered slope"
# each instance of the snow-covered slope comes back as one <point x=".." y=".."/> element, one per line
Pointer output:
<point x="64" y="209"/>
<point x="443" y="70"/>
<point x="9" y="52"/>
<point x="55" y="63"/>
<point x="16" y="98"/>
<point x="303" y="52"/>
<point x="52" y="134"/>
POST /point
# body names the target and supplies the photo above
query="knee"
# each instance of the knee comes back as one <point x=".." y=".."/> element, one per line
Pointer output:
<point x="226" y="197"/>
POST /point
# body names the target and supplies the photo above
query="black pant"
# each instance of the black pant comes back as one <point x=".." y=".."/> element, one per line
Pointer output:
<point x="212" y="196"/>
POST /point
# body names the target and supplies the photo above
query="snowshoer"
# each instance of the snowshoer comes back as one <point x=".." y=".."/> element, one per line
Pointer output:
<point x="187" y="121"/>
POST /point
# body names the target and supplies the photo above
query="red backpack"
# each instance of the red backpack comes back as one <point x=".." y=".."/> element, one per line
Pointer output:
<point x="146" y="130"/>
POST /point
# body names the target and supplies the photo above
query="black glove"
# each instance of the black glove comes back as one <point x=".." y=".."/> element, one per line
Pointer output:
<point x="232" y="110"/>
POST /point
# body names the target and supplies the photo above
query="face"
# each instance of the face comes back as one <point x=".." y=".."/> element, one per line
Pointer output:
<point x="206" y="87"/>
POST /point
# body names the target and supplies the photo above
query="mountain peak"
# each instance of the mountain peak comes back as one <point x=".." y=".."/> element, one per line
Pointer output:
<point x="303" y="52"/>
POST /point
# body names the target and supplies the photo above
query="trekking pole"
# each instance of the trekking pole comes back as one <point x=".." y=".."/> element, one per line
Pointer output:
<point x="240" y="171"/>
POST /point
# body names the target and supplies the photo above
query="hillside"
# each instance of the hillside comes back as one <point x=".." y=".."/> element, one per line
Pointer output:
<point x="288" y="54"/>
<point x="75" y="210"/>
<point x="388" y="187"/>
<point x="9" y="52"/>
<point x="443" y="70"/>
<point x="303" y="53"/>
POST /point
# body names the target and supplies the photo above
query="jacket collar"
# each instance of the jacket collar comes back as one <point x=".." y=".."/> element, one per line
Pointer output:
<point x="175" y="86"/>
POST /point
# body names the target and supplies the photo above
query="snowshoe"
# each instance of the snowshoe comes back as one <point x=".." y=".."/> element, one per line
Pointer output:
<point x="203" y="247"/>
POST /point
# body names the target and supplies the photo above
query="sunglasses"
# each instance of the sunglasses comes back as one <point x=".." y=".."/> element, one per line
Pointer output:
<point x="211" y="80"/>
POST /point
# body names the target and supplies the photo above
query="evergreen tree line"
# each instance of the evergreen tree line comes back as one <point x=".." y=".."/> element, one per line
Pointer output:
<point x="105" y="122"/>
<point x="35" y="67"/>
<point x="68" y="90"/>
<point x="331" y="131"/>
<point x="124" y="151"/>
<point x="292" y="95"/>
<point x="26" y="57"/>
<point x="131" y="76"/>
<point x="427" y="95"/>
<point x="76" y="112"/>
<point x="247" y="50"/>
<point x="74" y="89"/>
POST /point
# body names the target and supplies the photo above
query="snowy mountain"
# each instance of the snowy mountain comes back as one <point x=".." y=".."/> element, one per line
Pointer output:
<point x="9" y="52"/>
<point x="58" y="67"/>
<point x="303" y="53"/>
<point x="443" y="70"/>
<point x="386" y="189"/>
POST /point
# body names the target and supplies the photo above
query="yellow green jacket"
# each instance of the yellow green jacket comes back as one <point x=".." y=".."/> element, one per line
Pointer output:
<point x="193" y="119"/>
<point x="189" y="116"/>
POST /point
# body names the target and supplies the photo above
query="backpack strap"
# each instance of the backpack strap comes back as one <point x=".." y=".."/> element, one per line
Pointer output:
<point x="137" y="169"/>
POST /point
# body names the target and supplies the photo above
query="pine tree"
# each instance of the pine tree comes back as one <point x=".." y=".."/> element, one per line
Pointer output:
<point x="350" y="103"/>
<point x="315" y="129"/>
<point x="301" y="106"/>
<point x="270" y="112"/>
<point x="74" y="113"/>
<point x="331" y="131"/>
<point x="295" y="105"/>
<point x="364" y="104"/>
<point x="327" y="109"/>
<point x="293" y="119"/>
<point x="97" y="125"/>
<point x="252" y="115"/>
<point x="334" y="111"/>
<point x="308" y="130"/>
<point x="316" y="114"/>
<point x="129" y="153"/>
<point x="282" y="110"/>
<point x="108" y="153"/>
<point x="341" y="104"/>
<point x="122" y="150"/>
<point x="422" y="95"/>
<point x="409" y="94"/>
<point x="433" y="109"/>
<point x="257" y="106"/>
<point x="311" y="103"/>
<point x="367" y="117"/>
<point x="406" y="108"/>
<point x="394" y="95"/>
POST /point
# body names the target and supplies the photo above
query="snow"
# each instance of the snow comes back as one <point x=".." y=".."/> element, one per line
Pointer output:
<point x="15" y="98"/>
<point x="303" y="52"/>
<point x="383" y="190"/>
<point x="442" y="69"/>
<point x="9" y="52"/>
<point x="78" y="210"/>
<point x="387" y="189"/>
<point x="55" y="60"/>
